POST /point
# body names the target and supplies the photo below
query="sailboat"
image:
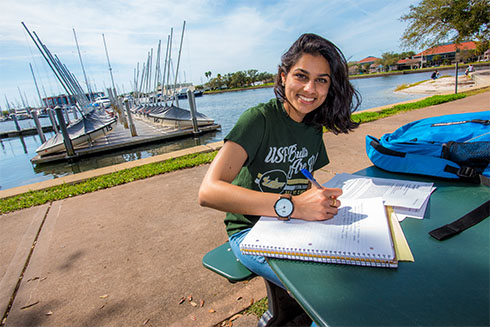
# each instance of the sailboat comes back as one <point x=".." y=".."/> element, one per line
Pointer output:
<point x="83" y="130"/>
<point x="92" y="124"/>
<point x="179" y="118"/>
<point x="171" y="115"/>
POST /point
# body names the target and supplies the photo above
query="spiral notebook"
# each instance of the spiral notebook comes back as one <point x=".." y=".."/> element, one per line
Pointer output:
<point x="359" y="234"/>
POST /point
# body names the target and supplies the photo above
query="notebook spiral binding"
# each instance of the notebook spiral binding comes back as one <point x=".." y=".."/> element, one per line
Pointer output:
<point x="337" y="257"/>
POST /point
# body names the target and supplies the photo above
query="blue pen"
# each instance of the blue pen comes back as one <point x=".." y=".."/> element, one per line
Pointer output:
<point x="311" y="178"/>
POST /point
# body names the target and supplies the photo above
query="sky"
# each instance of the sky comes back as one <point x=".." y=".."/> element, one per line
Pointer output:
<point x="220" y="36"/>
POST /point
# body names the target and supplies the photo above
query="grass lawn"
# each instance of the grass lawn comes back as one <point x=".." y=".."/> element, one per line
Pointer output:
<point x="34" y="198"/>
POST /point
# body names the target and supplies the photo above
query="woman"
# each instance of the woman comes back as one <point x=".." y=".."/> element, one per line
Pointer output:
<point x="257" y="172"/>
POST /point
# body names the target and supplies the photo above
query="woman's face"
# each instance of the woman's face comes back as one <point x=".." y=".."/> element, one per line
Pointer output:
<point x="306" y="85"/>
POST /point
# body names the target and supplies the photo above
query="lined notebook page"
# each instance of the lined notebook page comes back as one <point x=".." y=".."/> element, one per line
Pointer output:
<point x="358" y="234"/>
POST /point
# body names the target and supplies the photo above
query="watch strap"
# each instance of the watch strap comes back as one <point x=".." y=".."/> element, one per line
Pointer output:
<point x="290" y="198"/>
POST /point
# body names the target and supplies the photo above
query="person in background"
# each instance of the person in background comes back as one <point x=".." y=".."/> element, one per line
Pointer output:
<point x="435" y="75"/>
<point x="257" y="172"/>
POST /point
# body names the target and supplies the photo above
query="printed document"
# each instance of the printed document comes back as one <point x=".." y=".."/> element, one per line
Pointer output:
<point x="408" y="198"/>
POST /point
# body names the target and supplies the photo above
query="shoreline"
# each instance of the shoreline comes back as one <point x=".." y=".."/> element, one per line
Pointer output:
<point x="447" y="84"/>
<point x="82" y="176"/>
<point x="440" y="86"/>
<point x="485" y="65"/>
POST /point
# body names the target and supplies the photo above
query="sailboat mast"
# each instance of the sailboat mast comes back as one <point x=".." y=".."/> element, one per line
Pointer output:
<point x="135" y="77"/>
<point x="109" y="63"/>
<point x="7" y="102"/>
<point x="27" y="102"/>
<point x="178" y="63"/>
<point x="21" y="98"/>
<point x="150" y="63"/>
<point x="45" y="57"/>
<point x="83" y="68"/>
<point x="157" y="66"/>
<point x="37" y="88"/>
<point x="170" y="56"/>
<point x="164" y="86"/>
<point x="140" y="89"/>
<point x="147" y="76"/>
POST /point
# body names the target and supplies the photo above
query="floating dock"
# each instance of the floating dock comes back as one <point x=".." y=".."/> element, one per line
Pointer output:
<point x="120" y="138"/>
<point x="24" y="132"/>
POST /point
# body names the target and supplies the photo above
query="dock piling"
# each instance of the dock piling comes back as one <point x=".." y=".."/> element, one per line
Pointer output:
<point x="38" y="126"/>
<point x="192" y="105"/>
<point x="17" y="126"/>
<point x="67" y="116"/>
<point x="132" y="128"/>
<point x="53" y="120"/>
<point x="116" y="107"/>
<point x="66" y="137"/>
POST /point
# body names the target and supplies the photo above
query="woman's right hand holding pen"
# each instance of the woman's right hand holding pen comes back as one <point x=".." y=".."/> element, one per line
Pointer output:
<point x="317" y="204"/>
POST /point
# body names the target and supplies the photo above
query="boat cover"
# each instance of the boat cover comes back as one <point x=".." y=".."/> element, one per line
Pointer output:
<point x="179" y="114"/>
<point x="90" y="123"/>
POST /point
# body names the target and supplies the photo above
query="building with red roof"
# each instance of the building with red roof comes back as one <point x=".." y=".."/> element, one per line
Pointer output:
<point x="368" y="60"/>
<point x="371" y="61"/>
<point x="407" y="63"/>
<point x="445" y="52"/>
<point x="437" y="55"/>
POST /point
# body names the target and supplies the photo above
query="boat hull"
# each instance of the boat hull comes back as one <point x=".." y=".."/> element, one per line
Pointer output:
<point x="180" y="123"/>
<point x="178" y="118"/>
<point x="56" y="143"/>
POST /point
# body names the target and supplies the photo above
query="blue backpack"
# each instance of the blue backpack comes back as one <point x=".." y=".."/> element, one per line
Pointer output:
<point x="451" y="146"/>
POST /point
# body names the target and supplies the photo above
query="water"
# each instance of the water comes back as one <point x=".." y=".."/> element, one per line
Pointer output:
<point x="15" y="153"/>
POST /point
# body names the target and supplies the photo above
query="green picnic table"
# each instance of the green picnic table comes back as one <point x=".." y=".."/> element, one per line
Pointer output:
<point x="447" y="285"/>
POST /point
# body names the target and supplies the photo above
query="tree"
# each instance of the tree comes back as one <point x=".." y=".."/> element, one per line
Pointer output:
<point x="388" y="60"/>
<point x="252" y="76"/>
<point x="437" y="59"/>
<point x="407" y="54"/>
<point x="481" y="47"/>
<point x="435" y="21"/>
<point x="239" y="79"/>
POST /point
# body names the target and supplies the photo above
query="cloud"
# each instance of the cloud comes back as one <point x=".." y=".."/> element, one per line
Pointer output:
<point x="221" y="36"/>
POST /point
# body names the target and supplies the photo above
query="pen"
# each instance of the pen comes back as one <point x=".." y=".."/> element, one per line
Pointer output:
<point x="310" y="178"/>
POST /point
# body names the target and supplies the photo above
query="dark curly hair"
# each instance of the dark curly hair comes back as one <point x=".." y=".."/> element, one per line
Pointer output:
<point x="342" y="99"/>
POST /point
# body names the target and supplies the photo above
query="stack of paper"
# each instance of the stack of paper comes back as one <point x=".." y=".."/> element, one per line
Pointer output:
<point x="407" y="198"/>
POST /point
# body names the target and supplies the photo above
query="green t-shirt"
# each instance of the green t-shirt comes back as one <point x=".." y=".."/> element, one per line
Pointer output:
<point x="277" y="148"/>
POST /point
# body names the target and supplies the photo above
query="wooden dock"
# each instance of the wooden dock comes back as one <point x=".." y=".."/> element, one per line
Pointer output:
<point x="120" y="138"/>
<point x="24" y="132"/>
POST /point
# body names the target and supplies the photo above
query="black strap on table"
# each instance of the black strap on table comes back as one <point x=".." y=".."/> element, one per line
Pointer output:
<point x="457" y="226"/>
<point x="468" y="174"/>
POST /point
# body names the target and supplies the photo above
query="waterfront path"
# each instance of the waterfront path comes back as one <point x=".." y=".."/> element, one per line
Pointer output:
<point x="125" y="256"/>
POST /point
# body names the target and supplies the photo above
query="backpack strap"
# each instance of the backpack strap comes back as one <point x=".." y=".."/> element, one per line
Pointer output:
<point x="465" y="222"/>
<point x="412" y="163"/>
<point x="468" y="174"/>
<point x="403" y="162"/>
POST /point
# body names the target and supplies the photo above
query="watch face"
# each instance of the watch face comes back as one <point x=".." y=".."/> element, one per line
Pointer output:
<point x="284" y="207"/>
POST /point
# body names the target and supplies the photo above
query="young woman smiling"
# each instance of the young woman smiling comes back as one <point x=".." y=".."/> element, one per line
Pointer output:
<point x="257" y="172"/>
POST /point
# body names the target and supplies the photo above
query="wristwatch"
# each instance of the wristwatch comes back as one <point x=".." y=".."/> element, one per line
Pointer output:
<point x="284" y="207"/>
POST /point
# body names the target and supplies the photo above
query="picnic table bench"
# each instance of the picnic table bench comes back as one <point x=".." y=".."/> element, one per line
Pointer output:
<point x="222" y="261"/>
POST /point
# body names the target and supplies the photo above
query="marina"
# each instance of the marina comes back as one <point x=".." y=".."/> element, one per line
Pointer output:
<point x="16" y="153"/>
<point x="120" y="138"/>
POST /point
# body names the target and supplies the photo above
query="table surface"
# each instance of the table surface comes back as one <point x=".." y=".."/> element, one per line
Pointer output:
<point x="448" y="284"/>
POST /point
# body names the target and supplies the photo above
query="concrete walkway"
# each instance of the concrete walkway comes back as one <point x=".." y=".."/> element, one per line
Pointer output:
<point x="129" y="255"/>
